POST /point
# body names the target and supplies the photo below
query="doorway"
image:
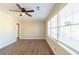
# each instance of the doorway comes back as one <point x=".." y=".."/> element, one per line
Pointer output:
<point x="17" y="31"/>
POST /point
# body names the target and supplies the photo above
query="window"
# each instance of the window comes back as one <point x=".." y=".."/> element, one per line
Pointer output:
<point x="69" y="34"/>
<point x="52" y="24"/>
<point x="75" y="37"/>
<point x="54" y="27"/>
<point x="54" y="33"/>
<point x="75" y="18"/>
<point x="65" y="26"/>
<point x="48" y="27"/>
<point x="54" y="21"/>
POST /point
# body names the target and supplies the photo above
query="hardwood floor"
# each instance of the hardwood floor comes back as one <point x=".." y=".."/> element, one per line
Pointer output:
<point x="27" y="47"/>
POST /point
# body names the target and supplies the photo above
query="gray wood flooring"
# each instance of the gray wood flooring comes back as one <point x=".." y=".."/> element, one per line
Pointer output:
<point x="27" y="47"/>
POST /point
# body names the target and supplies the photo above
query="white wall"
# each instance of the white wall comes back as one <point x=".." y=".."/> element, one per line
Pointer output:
<point x="32" y="30"/>
<point x="57" y="7"/>
<point x="7" y="30"/>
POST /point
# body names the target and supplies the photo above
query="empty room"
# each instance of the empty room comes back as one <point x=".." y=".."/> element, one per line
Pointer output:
<point x="39" y="28"/>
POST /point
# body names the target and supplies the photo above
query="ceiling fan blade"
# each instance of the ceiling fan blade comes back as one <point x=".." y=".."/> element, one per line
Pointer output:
<point x="15" y="10"/>
<point x="18" y="6"/>
<point x="30" y="11"/>
<point x="28" y="14"/>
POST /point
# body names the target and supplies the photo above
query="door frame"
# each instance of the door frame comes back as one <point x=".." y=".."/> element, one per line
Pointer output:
<point x="18" y="31"/>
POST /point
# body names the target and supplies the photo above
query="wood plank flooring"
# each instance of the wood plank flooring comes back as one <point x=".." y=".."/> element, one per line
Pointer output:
<point x="27" y="47"/>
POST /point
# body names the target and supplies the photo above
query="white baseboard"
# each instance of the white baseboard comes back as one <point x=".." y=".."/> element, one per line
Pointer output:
<point x="33" y="38"/>
<point x="11" y="42"/>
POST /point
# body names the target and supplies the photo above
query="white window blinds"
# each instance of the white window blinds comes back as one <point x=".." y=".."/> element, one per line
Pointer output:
<point x="65" y="26"/>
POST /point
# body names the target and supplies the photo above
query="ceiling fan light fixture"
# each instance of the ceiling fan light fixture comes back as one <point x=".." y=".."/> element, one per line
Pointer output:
<point x="23" y="13"/>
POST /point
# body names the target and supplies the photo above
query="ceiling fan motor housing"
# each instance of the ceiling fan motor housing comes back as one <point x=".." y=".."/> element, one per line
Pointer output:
<point x="23" y="10"/>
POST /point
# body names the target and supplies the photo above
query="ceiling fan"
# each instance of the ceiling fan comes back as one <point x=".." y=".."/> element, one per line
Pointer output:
<point x="23" y="10"/>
